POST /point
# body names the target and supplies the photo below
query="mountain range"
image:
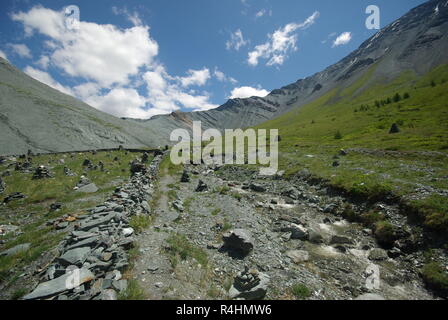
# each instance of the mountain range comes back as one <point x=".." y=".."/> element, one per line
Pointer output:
<point x="36" y="117"/>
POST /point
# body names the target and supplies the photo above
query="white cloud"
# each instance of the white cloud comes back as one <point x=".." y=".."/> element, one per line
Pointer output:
<point x="222" y="77"/>
<point x="21" y="49"/>
<point x="195" y="77"/>
<point x="133" y="17"/>
<point x="43" y="62"/>
<point x="3" y="55"/>
<point x="342" y="39"/>
<point x="247" y="92"/>
<point x="166" y="95"/>
<point x="102" y="53"/>
<point x="280" y="43"/>
<point x="331" y="35"/>
<point x="121" y="102"/>
<point x="106" y="61"/>
<point x="46" y="78"/>
<point x="236" y="41"/>
<point x="262" y="13"/>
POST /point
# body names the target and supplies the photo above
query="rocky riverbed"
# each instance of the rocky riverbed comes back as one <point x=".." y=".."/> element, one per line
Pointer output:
<point x="270" y="236"/>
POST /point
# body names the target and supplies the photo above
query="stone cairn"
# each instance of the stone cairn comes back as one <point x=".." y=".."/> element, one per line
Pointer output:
<point x="69" y="172"/>
<point x="185" y="177"/>
<point x="93" y="256"/>
<point x="42" y="172"/>
<point x="249" y="284"/>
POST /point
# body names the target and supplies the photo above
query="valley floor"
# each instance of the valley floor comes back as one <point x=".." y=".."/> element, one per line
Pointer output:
<point x="181" y="255"/>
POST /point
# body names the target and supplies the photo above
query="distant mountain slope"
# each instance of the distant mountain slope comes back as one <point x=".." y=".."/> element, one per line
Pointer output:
<point x="418" y="41"/>
<point x="37" y="117"/>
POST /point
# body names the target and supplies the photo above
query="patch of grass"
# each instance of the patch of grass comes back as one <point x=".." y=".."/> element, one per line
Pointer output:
<point x="236" y="195"/>
<point x="371" y="218"/>
<point x="216" y="211"/>
<point x="378" y="165"/>
<point x="187" y="203"/>
<point x="227" y="226"/>
<point x="433" y="210"/>
<point x="140" y="222"/>
<point x="132" y="292"/>
<point x="213" y="292"/>
<point x="222" y="189"/>
<point x="180" y="247"/>
<point x="435" y="277"/>
<point x="19" y="293"/>
<point x="300" y="291"/>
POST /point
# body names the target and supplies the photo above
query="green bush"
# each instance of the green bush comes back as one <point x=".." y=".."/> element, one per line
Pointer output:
<point x="435" y="277"/>
<point x="370" y="218"/>
<point x="132" y="292"/>
<point x="300" y="291"/>
<point x="140" y="222"/>
<point x="397" y="97"/>
<point x="338" y="135"/>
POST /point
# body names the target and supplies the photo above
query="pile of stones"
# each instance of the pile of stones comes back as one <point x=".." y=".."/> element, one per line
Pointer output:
<point x="69" y="172"/>
<point x="249" y="284"/>
<point x="138" y="167"/>
<point x="42" y="172"/>
<point x="93" y="256"/>
<point x="25" y="167"/>
<point x="14" y="196"/>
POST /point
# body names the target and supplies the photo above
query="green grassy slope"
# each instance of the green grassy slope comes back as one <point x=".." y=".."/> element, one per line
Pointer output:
<point x="358" y="119"/>
<point x="32" y="213"/>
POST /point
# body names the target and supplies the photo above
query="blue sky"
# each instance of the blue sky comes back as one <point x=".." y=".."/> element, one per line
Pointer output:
<point x="140" y="58"/>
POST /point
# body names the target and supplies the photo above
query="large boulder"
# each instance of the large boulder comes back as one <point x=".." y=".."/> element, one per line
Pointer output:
<point x="257" y="187"/>
<point x="238" y="240"/>
<point x="378" y="254"/>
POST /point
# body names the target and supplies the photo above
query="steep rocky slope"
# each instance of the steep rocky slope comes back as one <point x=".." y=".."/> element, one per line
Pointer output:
<point x="37" y="117"/>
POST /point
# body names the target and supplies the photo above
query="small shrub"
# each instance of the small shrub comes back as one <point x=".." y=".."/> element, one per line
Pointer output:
<point x="132" y="292"/>
<point x="397" y="97"/>
<point x="179" y="246"/>
<point x="372" y="217"/>
<point x="300" y="291"/>
<point x="338" y="135"/>
<point x="406" y="95"/>
<point x="140" y="222"/>
<point x="433" y="84"/>
<point x="435" y="277"/>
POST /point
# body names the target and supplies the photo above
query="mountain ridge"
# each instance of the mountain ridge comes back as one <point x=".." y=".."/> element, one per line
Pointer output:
<point x="417" y="41"/>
